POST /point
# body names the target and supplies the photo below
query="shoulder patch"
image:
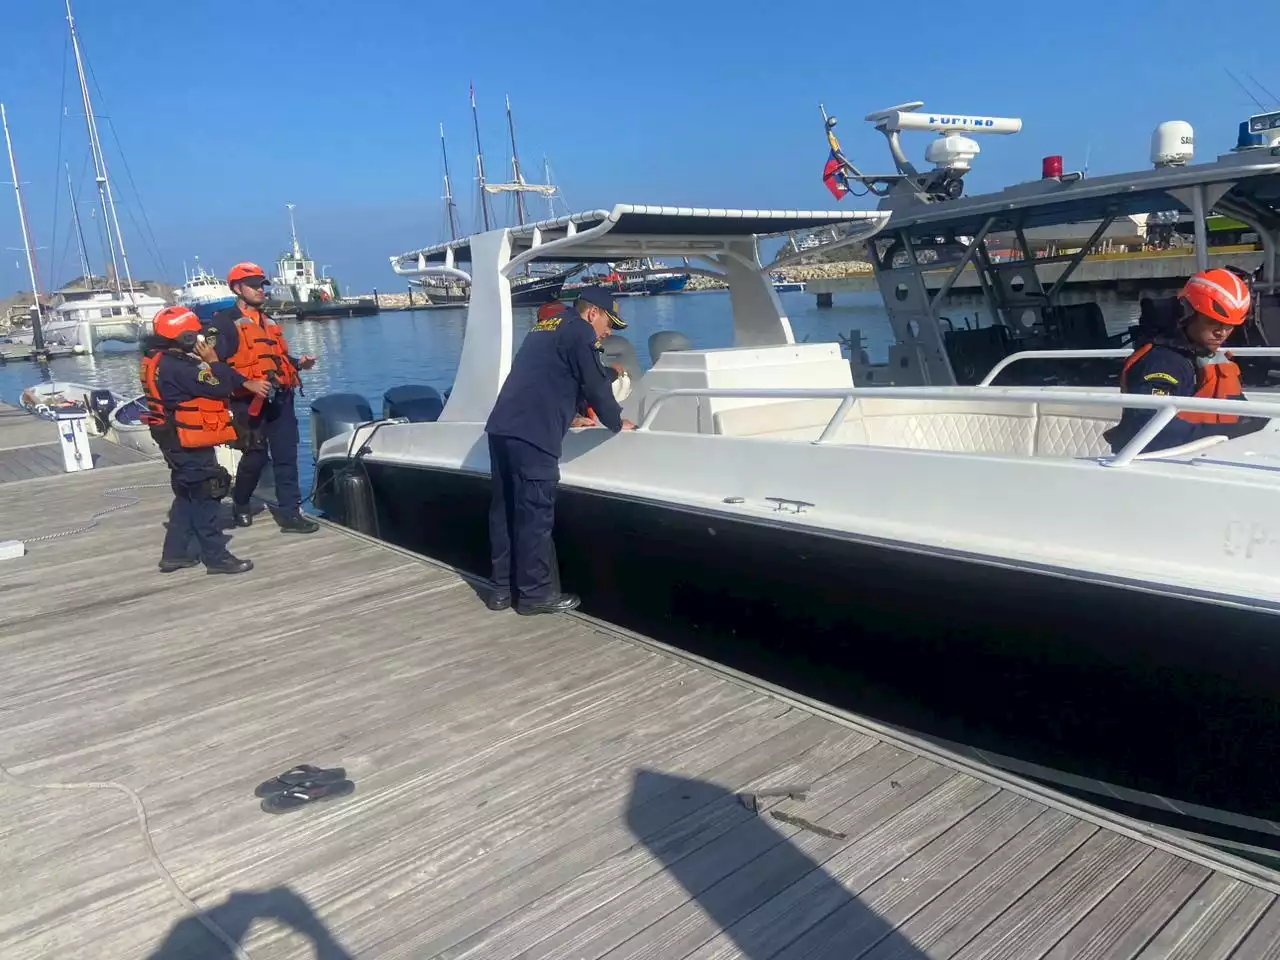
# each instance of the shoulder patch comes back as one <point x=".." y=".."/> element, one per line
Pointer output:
<point x="1161" y="375"/>
<point x="542" y="326"/>
<point x="206" y="376"/>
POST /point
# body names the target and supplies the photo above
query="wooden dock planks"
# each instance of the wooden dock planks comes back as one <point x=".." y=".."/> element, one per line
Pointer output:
<point x="526" y="787"/>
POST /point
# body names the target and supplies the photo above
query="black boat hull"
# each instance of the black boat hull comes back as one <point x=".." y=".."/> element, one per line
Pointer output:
<point x="1158" y="693"/>
<point x="330" y="309"/>
<point x="535" y="291"/>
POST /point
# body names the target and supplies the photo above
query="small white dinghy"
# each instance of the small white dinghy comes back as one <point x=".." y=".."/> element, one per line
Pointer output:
<point x="45" y="400"/>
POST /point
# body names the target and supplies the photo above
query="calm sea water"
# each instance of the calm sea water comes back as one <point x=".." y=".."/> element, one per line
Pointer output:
<point x="368" y="355"/>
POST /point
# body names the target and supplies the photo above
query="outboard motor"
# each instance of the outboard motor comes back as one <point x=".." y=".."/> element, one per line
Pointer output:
<point x="667" y="340"/>
<point x="415" y="402"/>
<point x="335" y="414"/>
<point x="101" y="403"/>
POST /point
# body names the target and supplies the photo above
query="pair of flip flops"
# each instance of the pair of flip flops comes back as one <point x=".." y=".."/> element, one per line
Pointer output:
<point x="301" y="786"/>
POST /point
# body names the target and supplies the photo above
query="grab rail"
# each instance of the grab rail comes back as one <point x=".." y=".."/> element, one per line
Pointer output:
<point x="1165" y="408"/>
<point x="1112" y="353"/>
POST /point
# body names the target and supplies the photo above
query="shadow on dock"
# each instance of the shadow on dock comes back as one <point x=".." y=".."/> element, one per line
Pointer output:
<point x="190" y="939"/>
<point x="747" y="869"/>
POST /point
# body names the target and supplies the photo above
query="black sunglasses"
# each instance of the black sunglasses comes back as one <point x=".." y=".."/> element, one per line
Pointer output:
<point x="256" y="282"/>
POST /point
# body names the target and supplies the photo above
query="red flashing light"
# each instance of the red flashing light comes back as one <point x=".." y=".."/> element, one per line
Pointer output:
<point x="1050" y="168"/>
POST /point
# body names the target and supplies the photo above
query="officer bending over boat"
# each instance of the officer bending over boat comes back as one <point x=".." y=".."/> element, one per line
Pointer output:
<point x="187" y="390"/>
<point x="1189" y="362"/>
<point x="555" y="368"/>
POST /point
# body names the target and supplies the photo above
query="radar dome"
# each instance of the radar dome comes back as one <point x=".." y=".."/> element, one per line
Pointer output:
<point x="1173" y="144"/>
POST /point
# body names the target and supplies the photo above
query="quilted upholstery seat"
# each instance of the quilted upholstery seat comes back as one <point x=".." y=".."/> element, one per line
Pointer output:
<point x="1063" y="430"/>
<point x="960" y="426"/>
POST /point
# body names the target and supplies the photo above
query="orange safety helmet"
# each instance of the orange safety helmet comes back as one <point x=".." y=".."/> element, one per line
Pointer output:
<point x="172" y="322"/>
<point x="1219" y="295"/>
<point x="244" y="271"/>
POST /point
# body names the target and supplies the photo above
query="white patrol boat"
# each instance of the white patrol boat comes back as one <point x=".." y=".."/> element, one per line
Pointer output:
<point x="982" y="542"/>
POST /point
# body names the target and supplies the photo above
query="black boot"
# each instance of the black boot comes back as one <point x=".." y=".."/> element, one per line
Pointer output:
<point x="498" y="600"/>
<point x="296" y="523"/>
<point x="182" y="563"/>
<point x="561" y="604"/>
<point x="229" y="564"/>
<point x="243" y="514"/>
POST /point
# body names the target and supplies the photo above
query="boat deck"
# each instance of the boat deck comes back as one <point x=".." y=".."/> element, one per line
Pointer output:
<point x="540" y="787"/>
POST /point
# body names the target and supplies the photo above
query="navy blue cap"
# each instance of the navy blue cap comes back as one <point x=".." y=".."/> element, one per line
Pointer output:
<point x="602" y="298"/>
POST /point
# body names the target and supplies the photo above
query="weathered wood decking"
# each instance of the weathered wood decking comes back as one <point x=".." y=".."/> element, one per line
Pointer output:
<point x="29" y="448"/>
<point x="526" y="788"/>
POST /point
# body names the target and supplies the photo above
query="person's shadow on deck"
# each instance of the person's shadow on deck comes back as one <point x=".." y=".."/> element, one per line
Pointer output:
<point x="738" y="865"/>
<point x="190" y="939"/>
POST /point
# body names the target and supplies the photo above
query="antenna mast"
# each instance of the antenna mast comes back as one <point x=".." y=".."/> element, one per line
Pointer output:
<point x="100" y="169"/>
<point x="37" y="331"/>
<point x="293" y="233"/>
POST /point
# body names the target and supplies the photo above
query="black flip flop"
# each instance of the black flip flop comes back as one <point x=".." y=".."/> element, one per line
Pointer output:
<point x="296" y="797"/>
<point x="304" y="774"/>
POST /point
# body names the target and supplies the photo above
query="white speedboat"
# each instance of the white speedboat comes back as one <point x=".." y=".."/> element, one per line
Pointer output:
<point x="954" y="535"/>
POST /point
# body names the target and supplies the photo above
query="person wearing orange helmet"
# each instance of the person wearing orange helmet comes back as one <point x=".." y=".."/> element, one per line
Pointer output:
<point x="187" y="390"/>
<point x="1190" y="362"/>
<point x="252" y="343"/>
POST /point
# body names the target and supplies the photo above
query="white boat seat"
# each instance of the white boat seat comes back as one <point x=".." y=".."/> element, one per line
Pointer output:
<point x="1067" y="430"/>
<point x="960" y="426"/>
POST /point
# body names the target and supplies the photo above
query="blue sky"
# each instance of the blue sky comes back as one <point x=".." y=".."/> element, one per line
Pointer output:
<point x="225" y="112"/>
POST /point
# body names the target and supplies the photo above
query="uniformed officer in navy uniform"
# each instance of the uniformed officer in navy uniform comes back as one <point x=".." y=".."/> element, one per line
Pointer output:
<point x="556" y="368"/>
<point x="186" y="390"/>
<point x="1189" y="362"/>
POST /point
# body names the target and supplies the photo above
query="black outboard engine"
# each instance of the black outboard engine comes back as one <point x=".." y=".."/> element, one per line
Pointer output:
<point x="665" y="341"/>
<point x="101" y="403"/>
<point x="415" y="402"/>
<point x="335" y="414"/>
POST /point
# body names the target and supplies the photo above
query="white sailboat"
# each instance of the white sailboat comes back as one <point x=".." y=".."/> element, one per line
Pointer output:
<point x="87" y="316"/>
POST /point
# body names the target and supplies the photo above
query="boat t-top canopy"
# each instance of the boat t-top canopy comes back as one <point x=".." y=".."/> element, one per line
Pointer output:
<point x="725" y="241"/>
<point x="1246" y="186"/>
<point x="633" y="231"/>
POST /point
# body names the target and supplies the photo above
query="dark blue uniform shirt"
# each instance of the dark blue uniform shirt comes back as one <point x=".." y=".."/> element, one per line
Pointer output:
<point x="555" y="368"/>
<point x="1170" y="368"/>
<point x="181" y="377"/>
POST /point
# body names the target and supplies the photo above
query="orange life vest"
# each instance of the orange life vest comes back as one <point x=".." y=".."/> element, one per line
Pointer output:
<point x="263" y="353"/>
<point x="192" y="424"/>
<point x="1214" y="381"/>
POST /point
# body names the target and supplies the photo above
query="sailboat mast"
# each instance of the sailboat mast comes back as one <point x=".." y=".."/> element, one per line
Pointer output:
<point x="546" y="178"/>
<point x="484" y="197"/>
<point x="100" y="169"/>
<point x="85" y="270"/>
<point x="37" y="317"/>
<point x="449" y="210"/>
<point x="515" y="167"/>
